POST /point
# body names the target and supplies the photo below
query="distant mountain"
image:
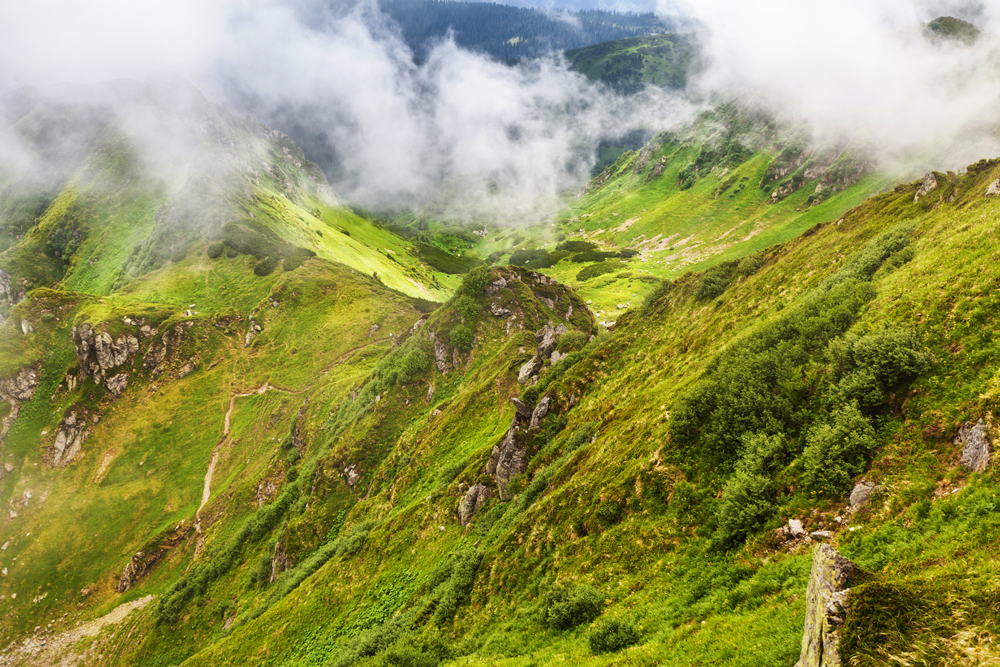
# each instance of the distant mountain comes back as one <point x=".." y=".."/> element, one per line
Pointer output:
<point x="512" y="33"/>
<point x="630" y="64"/>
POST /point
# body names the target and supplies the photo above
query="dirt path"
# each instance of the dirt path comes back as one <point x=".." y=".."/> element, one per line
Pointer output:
<point x="206" y="491"/>
<point x="42" y="650"/>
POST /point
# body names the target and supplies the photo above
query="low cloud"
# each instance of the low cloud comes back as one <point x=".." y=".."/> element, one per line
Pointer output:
<point x="860" y="69"/>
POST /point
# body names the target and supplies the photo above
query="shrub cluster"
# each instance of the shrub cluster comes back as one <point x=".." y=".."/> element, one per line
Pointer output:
<point x="612" y="635"/>
<point x="566" y="607"/>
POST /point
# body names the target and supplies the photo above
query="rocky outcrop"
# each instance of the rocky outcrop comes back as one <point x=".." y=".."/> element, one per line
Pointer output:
<point x="71" y="433"/>
<point x="10" y="294"/>
<point x="252" y="330"/>
<point x="352" y="475"/>
<point x="975" y="446"/>
<point x="139" y="565"/>
<point x="530" y="368"/>
<point x="929" y="185"/>
<point x="15" y="391"/>
<point x="472" y="502"/>
<point x="831" y="577"/>
<point x="862" y="494"/>
<point x="994" y="189"/>
<point x="279" y="562"/>
<point x="98" y="352"/>
<point x="440" y="356"/>
<point x="510" y="456"/>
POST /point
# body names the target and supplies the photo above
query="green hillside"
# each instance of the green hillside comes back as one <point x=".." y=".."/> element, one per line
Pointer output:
<point x="630" y="64"/>
<point x="217" y="417"/>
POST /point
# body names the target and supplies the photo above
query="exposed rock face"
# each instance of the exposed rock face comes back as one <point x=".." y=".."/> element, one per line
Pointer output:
<point x="976" y="450"/>
<point x="252" y="330"/>
<point x="97" y="353"/>
<point x="14" y="391"/>
<point x="279" y="562"/>
<point x="929" y="185"/>
<point x="530" y="368"/>
<point x="10" y="293"/>
<point x="498" y="311"/>
<point x="826" y="605"/>
<point x="539" y="413"/>
<point x="72" y="432"/>
<point x="440" y="356"/>
<point x="862" y="494"/>
<point x="351" y="475"/>
<point x="994" y="189"/>
<point x="133" y="570"/>
<point x="472" y="502"/>
<point x="117" y="384"/>
<point x="546" y="339"/>
<point x="26" y="327"/>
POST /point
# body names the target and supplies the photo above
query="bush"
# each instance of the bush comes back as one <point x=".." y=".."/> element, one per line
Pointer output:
<point x="566" y="607"/>
<point x="476" y="281"/>
<point x="215" y="249"/>
<point x="412" y="364"/>
<point x="593" y="256"/>
<point x="570" y="341"/>
<point x="454" y="577"/>
<point x="598" y="269"/>
<point x="750" y="265"/>
<point x="462" y="337"/>
<point x="265" y="267"/>
<point x="612" y="635"/>
<point x="838" y="451"/>
<point x="748" y="499"/>
<point x="713" y="283"/>
<point x="576" y="246"/>
<point x="468" y="308"/>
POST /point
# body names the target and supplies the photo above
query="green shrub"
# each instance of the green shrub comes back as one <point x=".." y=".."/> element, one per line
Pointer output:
<point x="566" y="607"/>
<point x="576" y="246"/>
<point x="687" y="176"/>
<point x="750" y="265"/>
<point x="713" y="283"/>
<point x="838" y="451"/>
<point x="462" y="337"/>
<point x="468" y="308"/>
<point x="598" y="269"/>
<point x="353" y="541"/>
<point x="454" y="577"/>
<point x="215" y="249"/>
<point x="476" y="281"/>
<point x="571" y="341"/>
<point x="748" y="498"/>
<point x="265" y="267"/>
<point x="612" y="635"/>
<point x="593" y="256"/>
<point x="609" y="512"/>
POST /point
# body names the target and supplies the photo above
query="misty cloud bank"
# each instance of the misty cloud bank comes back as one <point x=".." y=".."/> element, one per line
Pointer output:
<point x="862" y="70"/>
<point x="473" y="137"/>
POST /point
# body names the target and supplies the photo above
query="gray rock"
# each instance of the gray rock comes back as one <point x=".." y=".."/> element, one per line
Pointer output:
<point x="10" y="294"/>
<point x="795" y="528"/>
<point x="117" y="384"/>
<point x="472" y="502"/>
<point x="440" y="356"/>
<point x="862" y="494"/>
<point x="546" y="338"/>
<point x="186" y="369"/>
<point x="539" y="413"/>
<point x="976" y="449"/>
<point x="821" y="535"/>
<point x="252" y="330"/>
<point x="826" y="606"/>
<point x="929" y="185"/>
<point x="14" y="391"/>
<point x="498" y="311"/>
<point x="508" y="458"/>
<point x="352" y="475"/>
<point x="522" y="408"/>
<point x="496" y="286"/>
<point x="70" y="436"/>
<point x="530" y="367"/>
<point x="26" y="327"/>
<point x="994" y="189"/>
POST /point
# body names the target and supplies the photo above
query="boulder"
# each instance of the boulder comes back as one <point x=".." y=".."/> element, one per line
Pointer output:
<point x="929" y="185"/>
<point x="351" y="475"/>
<point x="862" y="494"/>
<point x="546" y="338"/>
<point x="508" y="458"/>
<point x="71" y="433"/>
<point x="440" y="356"/>
<point x="539" y="413"/>
<point x="831" y="577"/>
<point x="522" y="408"/>
<point x="26" y="327"/>
<point x="117" y="384"/>
<point x="530" y="368"/>
<point x="976" y="446"/>
<point x="472" y="502"/>
<point x="994" y="189"/>
<point x="795" y="528"/>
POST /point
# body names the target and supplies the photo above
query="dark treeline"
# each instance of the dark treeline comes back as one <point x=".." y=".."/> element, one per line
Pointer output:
<point x="511" y="33"/>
